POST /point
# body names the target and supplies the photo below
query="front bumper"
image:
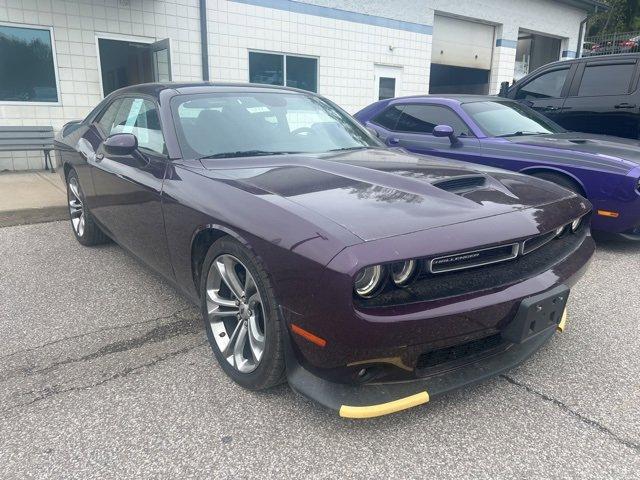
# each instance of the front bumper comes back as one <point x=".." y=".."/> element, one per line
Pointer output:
<point x="372" y="400"/>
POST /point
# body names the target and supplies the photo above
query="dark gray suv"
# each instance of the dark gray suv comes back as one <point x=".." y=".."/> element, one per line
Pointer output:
<point x="592" y="94"/>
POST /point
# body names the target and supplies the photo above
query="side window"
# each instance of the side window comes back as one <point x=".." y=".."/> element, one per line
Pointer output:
<point x="108" y="117"/>
<point x="606" y="79"/>
<point x="140" y="117"/>
<point x="547" y="85"/>
<point x="389" y="117"/>
<point x="423" y="119"/>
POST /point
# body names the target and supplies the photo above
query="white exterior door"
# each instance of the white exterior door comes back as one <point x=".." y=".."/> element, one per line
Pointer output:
<point x="161" y="60"/>
<point x="387" y="82"/>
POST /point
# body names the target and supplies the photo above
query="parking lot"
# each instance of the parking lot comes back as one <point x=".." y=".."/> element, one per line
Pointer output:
<point x="106" y="372"/>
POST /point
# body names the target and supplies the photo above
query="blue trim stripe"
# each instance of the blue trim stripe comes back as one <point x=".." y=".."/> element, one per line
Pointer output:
<point x="568" y="54"/>
<point x="337" y="14"/>
<point x="503" y="42"/>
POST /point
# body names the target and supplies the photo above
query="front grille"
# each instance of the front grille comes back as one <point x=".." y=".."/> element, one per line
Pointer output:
<point x="474" y="258"/>
<point x="537" y="242"/>
<point x="455" y="353"/>
<point x="461" y="184"/>
<point x="429" y="286"/>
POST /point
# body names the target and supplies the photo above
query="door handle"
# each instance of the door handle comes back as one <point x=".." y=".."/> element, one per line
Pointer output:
<point x="625" y="105"/>
<point x="393" y="141"/>
<point x="550" y="108"/>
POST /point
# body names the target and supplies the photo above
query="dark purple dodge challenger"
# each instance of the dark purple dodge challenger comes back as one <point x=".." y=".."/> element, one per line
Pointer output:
<point x="371" y="280"/>
<point x="503" y="133"/>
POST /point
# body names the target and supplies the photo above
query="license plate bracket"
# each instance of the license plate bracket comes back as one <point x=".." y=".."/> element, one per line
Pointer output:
<point x="536" y="314"/>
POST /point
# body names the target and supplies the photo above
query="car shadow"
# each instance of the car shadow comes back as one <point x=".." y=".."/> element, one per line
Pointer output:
<point x="612" y="243"/>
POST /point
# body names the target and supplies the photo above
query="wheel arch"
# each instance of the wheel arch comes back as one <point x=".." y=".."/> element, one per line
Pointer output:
<point x="66" y="168"/>
<point x="557" y="171"/>
<point x="202" y="239"/>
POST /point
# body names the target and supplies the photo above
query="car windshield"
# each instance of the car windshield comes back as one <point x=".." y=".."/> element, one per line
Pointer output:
<point x="224" y="125"/>
<point x="508" y="119"/>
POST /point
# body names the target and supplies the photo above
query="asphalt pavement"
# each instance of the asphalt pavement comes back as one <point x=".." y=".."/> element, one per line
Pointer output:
<point x="105" y="373"/>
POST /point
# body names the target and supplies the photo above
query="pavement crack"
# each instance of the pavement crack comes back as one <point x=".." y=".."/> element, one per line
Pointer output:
<point x="53" y="391"/>
<point x="565" y="408"/>
<point x="93" y="332"/>
<point x="184" y="326"/>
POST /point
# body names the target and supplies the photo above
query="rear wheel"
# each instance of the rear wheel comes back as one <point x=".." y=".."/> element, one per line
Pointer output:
<point x="241" y="316"/>
<point x="82" y="223"/>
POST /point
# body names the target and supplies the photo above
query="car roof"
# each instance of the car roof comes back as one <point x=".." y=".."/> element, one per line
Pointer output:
<point x="458" y="98"/>
<point x="154" y="89"/>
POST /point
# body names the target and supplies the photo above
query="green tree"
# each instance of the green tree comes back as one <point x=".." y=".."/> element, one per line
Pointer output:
<point x="623" y="16"/>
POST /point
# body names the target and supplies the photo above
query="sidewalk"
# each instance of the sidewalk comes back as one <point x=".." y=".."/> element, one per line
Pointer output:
<point x="31" y="197"/>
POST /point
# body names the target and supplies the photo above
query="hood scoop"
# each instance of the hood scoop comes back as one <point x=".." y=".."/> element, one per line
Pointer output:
<point x="578" y="141"/>
<point x="461" y="184"/>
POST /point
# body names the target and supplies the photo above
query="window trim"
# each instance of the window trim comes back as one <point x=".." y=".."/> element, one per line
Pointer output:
<point x="49" y="28"/>
<point x="564" y="92"/>
<point x="98" y="116"/>
<point x="284" y="67"/>
<point x="422" y="104"/>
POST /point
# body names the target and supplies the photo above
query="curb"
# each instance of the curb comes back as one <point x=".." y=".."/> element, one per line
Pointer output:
<point x="29" y="216"/>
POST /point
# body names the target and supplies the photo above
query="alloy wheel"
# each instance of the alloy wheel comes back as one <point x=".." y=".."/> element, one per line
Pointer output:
<point x="235" y="313"/>
<point x="76" y="208"/>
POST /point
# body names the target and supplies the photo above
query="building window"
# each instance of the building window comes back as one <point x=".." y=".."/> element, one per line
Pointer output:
<point x="288" y="70"/>
<point x="27" y="73"/>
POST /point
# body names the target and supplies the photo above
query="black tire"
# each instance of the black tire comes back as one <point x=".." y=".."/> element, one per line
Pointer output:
<point x="270" y="370"/>
<point x="561" y="180"/>
<point x="90" y="234"/>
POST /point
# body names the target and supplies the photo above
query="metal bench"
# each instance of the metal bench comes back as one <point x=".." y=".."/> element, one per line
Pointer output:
<point x="28" y="139"/>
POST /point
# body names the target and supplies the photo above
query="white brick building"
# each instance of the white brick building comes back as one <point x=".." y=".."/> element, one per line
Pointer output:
<point x="58" y="58"/>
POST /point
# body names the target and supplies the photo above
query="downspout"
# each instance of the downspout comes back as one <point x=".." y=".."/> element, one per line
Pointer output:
<point x="583" y="24"/>
<point x="583" y="28"/>
<point x="204" y="41"/>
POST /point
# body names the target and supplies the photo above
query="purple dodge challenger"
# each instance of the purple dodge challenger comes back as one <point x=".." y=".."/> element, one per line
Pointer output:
<point x="369" y="279"/>
<point x="503" y="133"/>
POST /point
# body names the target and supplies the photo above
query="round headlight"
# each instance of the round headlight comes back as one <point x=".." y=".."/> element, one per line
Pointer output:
<point x="402" y="272"/>
<point x="560" y="230"/>
<point x="368" y="281"/>
<point x="575" y="225"/>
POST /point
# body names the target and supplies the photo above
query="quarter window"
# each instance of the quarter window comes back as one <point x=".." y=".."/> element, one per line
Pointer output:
<point x="27" y="72"/>
<point x="606" y="79"/>
<point x="139" y="117"/>
<point x="547" y="85"/>
<point x="389" y="117"/>
<point x="109" y="116"/>
<point x="287" y="70"/>
<point x="424" y="118"/>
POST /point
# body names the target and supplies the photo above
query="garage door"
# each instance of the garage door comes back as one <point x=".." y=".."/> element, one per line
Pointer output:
<point x="461" y="56"/>
<point x="461" y="43"/>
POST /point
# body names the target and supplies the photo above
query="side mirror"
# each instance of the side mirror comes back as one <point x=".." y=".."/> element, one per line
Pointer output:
<point x="441" y="131"/>
<point x="121" y="144"/>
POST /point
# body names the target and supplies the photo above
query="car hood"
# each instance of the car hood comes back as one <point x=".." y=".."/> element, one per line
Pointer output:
<point x="378" y="193"/>
<point x="603" y="147"/>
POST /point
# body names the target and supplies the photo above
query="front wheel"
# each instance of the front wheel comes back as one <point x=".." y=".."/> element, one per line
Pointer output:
<point x="241" y="317"/>
<point x="561" y="180"/>
<point x="84" y="227"/>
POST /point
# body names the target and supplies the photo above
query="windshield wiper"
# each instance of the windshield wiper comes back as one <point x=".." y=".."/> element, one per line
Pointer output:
<point x="243" y="153"/>
<point x="520" y="133"/>
<point x="345" y="149"/>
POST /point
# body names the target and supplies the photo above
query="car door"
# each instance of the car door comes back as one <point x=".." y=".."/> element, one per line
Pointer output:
<point x="602" y="100"/>
<point x="128" y="187"/>
<point x="414" y="131"/>
<point x="545" y="92"/>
